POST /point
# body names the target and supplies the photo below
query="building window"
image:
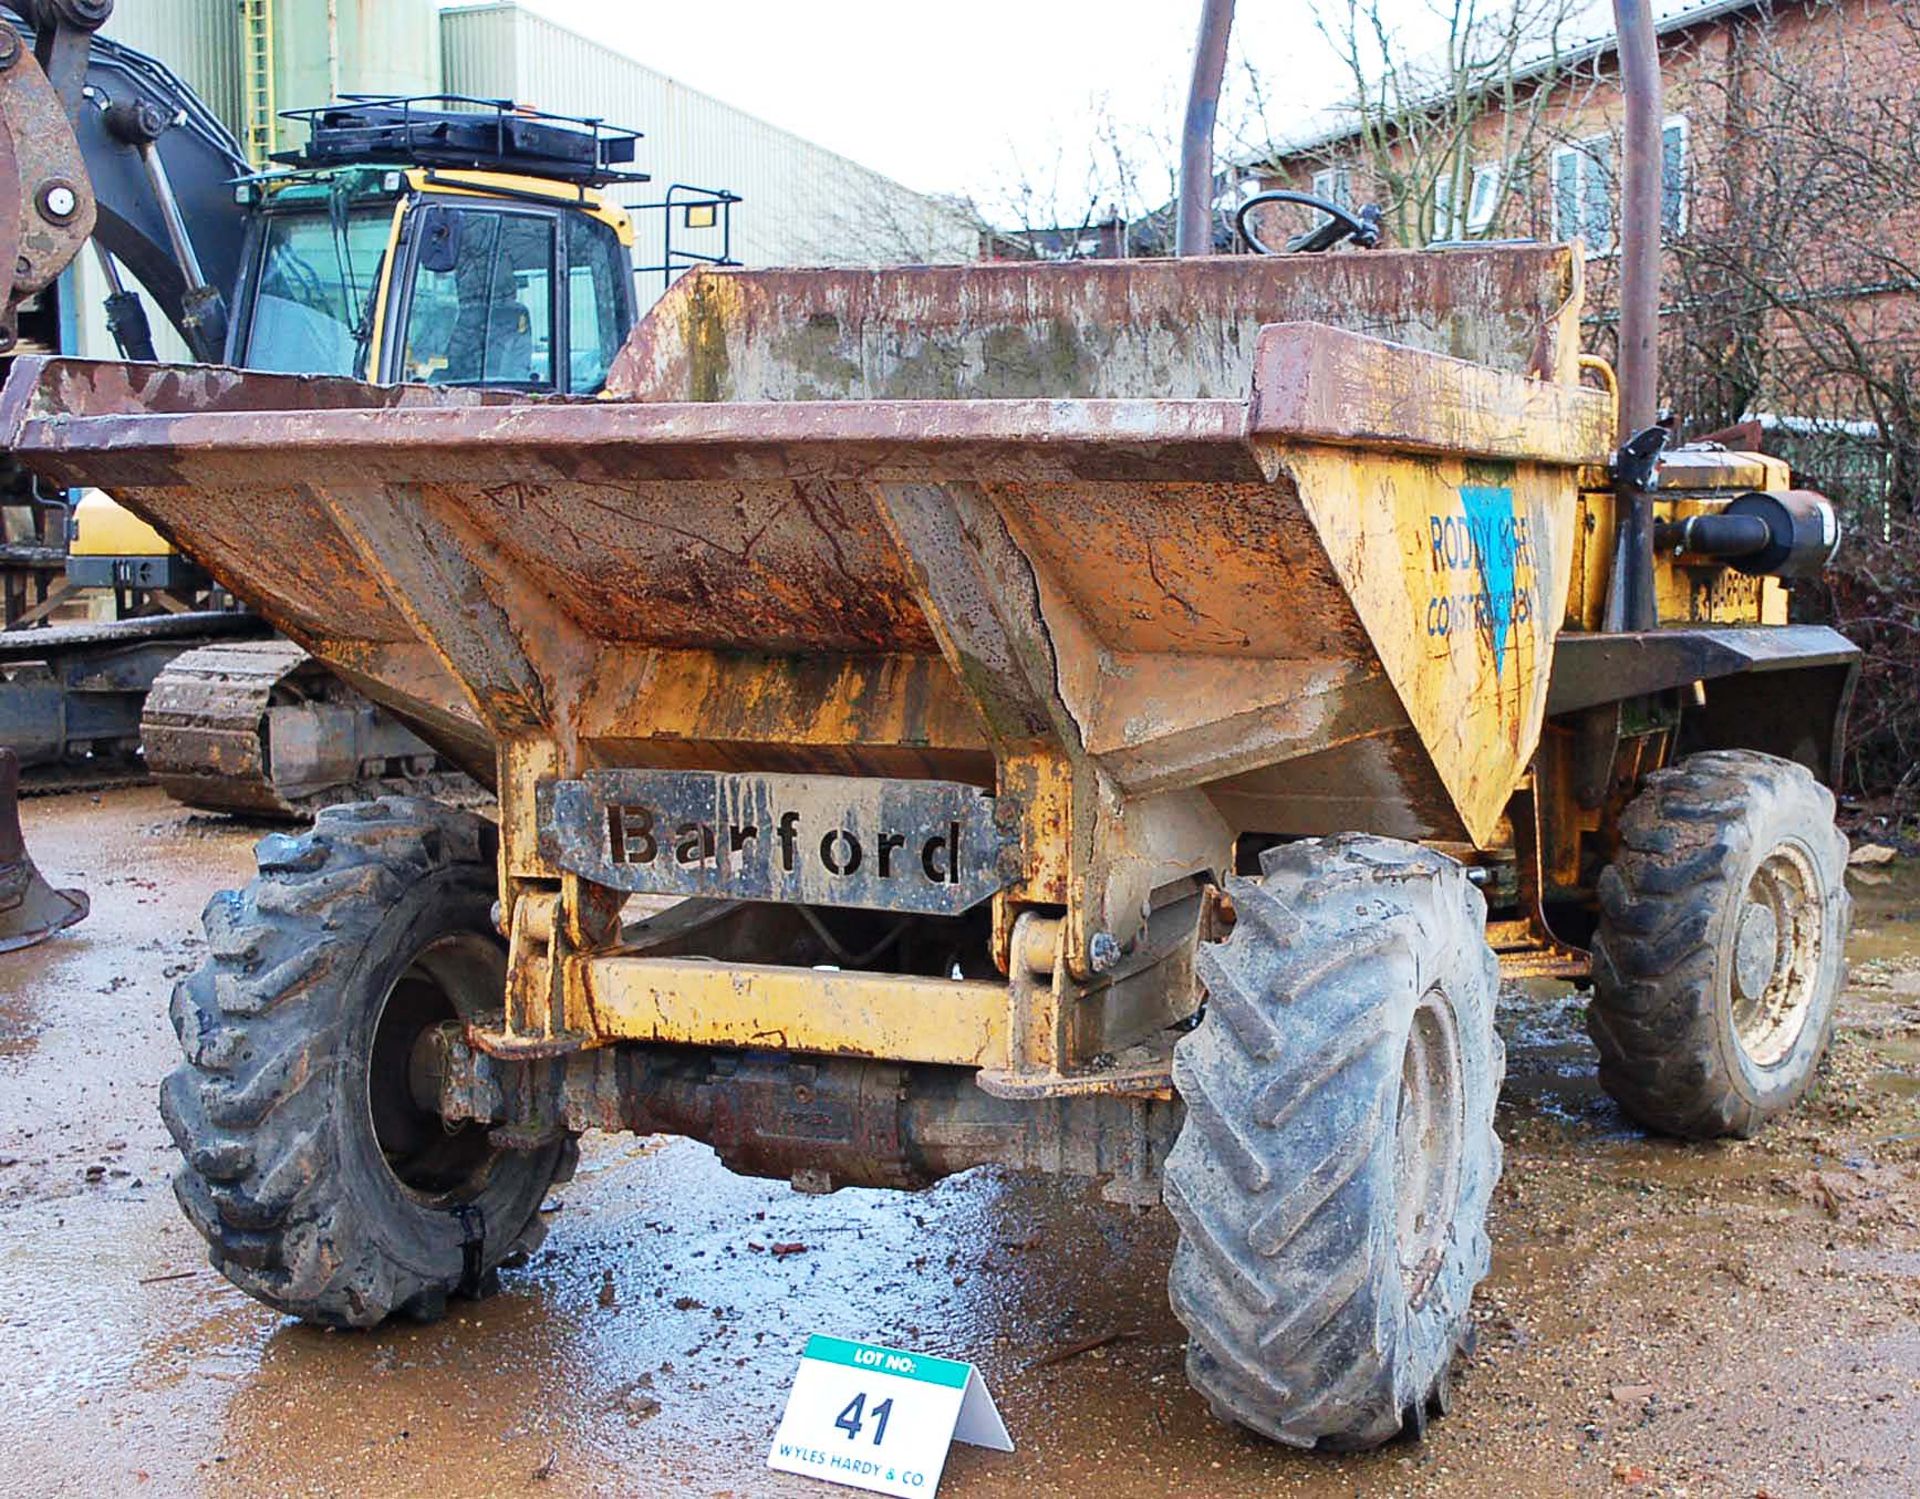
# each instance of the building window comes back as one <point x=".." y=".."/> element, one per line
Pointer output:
<point x="1583" y="187"/>
<point x="1583" y="192"/>
<point x="1674" y="181"/>
<point x="1450" y="221"/>
<point x="1445" y="222"/>
<point x="1483" y="201"/>
<point x="1335" y="184"/>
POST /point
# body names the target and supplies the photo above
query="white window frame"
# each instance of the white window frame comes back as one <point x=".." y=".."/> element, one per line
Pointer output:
<point x="1446" y="220"/>
<point x="1583" y="151"/>
<point x="1454" y="221"/>
<point x="1677" y="229"/>
<point x="1335" y="184"/>
<point x="1590" y="153"/>
<point x="1480" y="217"/>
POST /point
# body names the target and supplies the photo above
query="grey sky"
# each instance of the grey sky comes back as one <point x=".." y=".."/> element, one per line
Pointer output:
<point x="962" y="98"/>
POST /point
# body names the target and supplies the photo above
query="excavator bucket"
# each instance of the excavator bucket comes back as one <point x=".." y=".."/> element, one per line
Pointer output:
<point x="31" y="910"/>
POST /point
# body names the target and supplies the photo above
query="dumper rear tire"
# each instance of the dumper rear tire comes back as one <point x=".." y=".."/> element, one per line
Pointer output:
<point x="1332" y="1178"/>
<point x="322" y="1184"/>
<point x="1721" y="945"/>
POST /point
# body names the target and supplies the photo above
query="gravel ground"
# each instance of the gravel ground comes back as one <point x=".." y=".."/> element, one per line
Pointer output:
<point x="1739" y="1319"/>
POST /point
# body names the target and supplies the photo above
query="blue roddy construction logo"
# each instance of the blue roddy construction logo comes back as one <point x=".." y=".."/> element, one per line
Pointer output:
<point x="1490" y="549"/>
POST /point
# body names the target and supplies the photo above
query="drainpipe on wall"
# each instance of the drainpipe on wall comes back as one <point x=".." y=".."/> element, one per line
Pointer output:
<point x="333" y="49"/>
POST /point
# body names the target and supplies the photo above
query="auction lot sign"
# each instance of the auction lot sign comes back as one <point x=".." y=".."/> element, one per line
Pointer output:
<point x="881" y="1418"/>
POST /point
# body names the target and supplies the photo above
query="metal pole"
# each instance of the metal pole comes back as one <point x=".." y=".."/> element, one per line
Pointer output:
<point x="183" y="255"/>
<point x="333" y="49"/>
<point x="1631" y="605"/>
<point x="1640" y="203"/>
<point x="1193" y="229"/>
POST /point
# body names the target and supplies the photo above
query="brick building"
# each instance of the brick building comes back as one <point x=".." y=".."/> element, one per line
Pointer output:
<point x="1792" y="146"/>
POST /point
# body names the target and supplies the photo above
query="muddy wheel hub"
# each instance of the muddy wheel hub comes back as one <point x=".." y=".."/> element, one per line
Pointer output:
<point x="435" y="1159"/>
<point x="1428" y="1138"/>
<point x="1776" y="956"/>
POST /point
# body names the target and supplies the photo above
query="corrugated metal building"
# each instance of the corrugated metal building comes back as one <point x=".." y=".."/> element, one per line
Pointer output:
<point x="325" y="48"/>
<point x="802" y="204"/>
<point x="319" y="48"/>
<point x="198" y="39"/>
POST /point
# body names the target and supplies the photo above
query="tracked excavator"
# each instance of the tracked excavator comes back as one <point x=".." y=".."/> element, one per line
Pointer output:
<point x="431" y="240"/>
<point x="437" y="241"/>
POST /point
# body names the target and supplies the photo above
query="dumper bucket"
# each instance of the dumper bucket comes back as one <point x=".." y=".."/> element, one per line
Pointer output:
<point x="31" y="910"/>
<point x="1292" y="535"/>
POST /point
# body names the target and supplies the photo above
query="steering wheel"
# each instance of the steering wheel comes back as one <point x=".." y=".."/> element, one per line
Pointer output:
<point x="1363" y="228"/>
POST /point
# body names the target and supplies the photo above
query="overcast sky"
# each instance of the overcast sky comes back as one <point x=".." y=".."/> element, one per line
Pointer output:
<point x="962" y="96"/>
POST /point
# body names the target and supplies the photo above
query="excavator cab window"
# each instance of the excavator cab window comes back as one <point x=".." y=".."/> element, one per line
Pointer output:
<point x="597" y="303"/>
<point x="480" y="309"/>
<point x="317" y="273"/>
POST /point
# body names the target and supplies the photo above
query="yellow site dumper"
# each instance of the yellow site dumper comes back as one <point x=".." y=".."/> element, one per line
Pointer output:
<point x="1116" y="718"/>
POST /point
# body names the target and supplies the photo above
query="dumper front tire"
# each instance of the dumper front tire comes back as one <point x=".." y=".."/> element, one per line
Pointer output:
<point x="1721" y="944"/>
<point x="322" y="1183"/>
<point x="1332" y="1178"/>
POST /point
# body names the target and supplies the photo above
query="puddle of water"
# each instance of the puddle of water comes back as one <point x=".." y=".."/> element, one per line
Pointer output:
<point x="1550" y="1060"/>
<point x="1886" y="912"/>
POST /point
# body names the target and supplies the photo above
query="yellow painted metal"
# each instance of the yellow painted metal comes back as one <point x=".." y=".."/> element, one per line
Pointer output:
<point x="1459" y="571"/>
<point x="101" y="528"/>
<point x="256" y="60"/>
<point x="693" y="1002"/>
<point x="589" y="201"/>
<point x="1683" y="594"/>
<point x="383" y="292"/>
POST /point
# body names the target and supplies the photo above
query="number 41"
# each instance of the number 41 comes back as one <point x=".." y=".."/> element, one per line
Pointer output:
<point x="850" y="1419"/>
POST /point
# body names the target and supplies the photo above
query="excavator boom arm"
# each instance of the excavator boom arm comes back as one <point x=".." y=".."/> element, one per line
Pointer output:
<point x="99" y="139"/>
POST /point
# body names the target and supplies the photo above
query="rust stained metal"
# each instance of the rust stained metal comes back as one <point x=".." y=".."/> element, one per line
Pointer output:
<point x="1094" y="328"/>
<point x="894" y="714"/>
<point x="1317" y="384"/>
<point x="695" y="1002"/>
<point x="38" y="153"/>
<point x="1065" y="536"/>
<point x="491" y="448"/>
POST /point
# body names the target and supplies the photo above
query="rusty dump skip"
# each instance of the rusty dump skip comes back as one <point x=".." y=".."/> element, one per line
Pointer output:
<point x="1282" y="540"/>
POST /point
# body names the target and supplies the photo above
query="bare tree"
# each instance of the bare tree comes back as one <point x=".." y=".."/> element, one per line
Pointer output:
<point x="1104" y="199"/>
<point x="1446" y="139"/>
<point x="1794" y="299"/>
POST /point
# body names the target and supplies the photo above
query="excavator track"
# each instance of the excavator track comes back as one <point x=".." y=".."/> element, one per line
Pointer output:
<point x="71" y="694"/>
<point x="262" y="729"/>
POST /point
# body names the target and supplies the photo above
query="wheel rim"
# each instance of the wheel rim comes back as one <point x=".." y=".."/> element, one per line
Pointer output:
<point x="428" y="1159"/>
<point x="1777" y="947"/>
<point x="1429" y="1135"/>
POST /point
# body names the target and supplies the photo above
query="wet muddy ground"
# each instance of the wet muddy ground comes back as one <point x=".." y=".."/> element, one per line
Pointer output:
<point x="1737" y="1319"/>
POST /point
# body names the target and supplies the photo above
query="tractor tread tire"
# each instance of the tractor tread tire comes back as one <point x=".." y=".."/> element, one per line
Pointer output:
<point x="1287" y="1271"/>
<point x="269" y="1172"/>
<point x="1689" y="843"/>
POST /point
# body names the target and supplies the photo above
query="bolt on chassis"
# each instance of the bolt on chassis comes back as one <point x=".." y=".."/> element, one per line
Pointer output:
<point x="1112" y="718"/>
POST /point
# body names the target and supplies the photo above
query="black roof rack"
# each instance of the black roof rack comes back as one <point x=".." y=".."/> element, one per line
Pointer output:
<point x="455" y="130"/>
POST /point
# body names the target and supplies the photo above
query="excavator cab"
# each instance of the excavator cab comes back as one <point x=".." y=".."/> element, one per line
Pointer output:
<point x="439" y="241"/>
<point x="442" y="241"/>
